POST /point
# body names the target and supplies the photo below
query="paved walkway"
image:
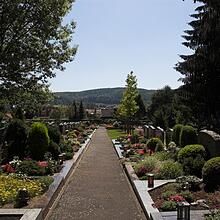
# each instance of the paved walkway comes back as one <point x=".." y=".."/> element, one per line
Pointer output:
<point x="98" y="188"/>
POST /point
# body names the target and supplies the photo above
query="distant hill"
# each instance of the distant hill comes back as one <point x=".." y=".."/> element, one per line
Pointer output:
<point x="105" y="96"/>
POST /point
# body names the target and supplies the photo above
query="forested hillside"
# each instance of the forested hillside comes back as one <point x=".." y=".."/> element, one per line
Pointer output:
<point x="106" y="96"/>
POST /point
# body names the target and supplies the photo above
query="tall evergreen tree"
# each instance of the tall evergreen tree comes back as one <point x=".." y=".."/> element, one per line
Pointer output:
<point x="81" y="111"/>
<point x="128" y="106"/>
<point x="201" y="70"/>
<point x="141" y="112"/>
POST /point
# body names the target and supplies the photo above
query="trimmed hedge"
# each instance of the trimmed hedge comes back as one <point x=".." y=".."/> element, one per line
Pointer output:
<point x="38" y="140"/>
<point x="211" y="173"/>
<point x="192" y="158"/>
<point x="54" y="134"/>
<point x="155" y="144"/>
<point x="16" y="137"/>
<point x="188" y="136"/>
<point x="176" y="133"/>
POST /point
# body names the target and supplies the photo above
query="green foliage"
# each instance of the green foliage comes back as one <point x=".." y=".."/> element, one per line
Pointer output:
<point x="146" y="166"/>
<point x="211" y="173"/>
<point x="168" y="206"/>
<point x="200" y="69"/>
<point x="128" y="106"/>
<point x="16" y="137"/>
<point x="36" y="41"/>
<point x="176" y="133"/>
<point x="54" y="149"/>
<point x="109" y="96"/>
<point x="30" y="168"/>
<point x="214" y="215"/>
<point x="170" y="170"/>
<point x="81" y="111"/>
<point x="141" y="112"/>
<point x="54" y="133"/>
<point x="188" y="136"/>
<point x="38" y="140"/>
<point x="166" y="195"/>
<point x="190" y="182"/>
<point x="155" y="144"/>
<point x="188" y="196"/>
<point x="163" y="156"/>
<point x="192" y="157"/>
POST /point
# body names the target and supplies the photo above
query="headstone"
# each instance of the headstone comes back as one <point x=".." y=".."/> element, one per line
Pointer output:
<point x="159" y="133"/>
<point x="211" y="141"/>
<point x="152" y="131"/>
<point x="146" y="131"/>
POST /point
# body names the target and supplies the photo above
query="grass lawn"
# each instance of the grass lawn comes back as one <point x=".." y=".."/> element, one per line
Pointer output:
<point x="115" y="133"/>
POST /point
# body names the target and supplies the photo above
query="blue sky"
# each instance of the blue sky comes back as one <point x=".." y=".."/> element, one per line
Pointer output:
<point x="119" y="36"/>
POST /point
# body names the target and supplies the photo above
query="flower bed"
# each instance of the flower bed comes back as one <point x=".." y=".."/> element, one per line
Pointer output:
<point x="11" y="184"/>
<point x="35" y="174"/>
<point x="166" y="197"/>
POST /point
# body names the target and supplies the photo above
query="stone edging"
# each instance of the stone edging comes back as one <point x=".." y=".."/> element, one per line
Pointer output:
<point x="26" y="214"/>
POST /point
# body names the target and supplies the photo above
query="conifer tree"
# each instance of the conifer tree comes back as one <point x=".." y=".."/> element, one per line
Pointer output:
<point x="201" y="70"/>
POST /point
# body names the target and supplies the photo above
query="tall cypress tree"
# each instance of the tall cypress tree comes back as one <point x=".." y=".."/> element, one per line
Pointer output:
<point x="201" y="70"/>
<point x="81" y="111"/>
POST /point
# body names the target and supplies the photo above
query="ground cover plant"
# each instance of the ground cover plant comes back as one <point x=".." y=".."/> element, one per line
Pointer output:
<point x="11" y="184"/>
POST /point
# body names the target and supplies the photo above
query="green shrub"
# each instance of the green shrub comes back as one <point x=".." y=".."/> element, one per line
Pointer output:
<point x="166" y="195"/>
<point x="72" y="134"/>
<point x="211" y="173"/>
<point x="155" y="144"/>
<point x="170" y="170"/>
<point x="38" y="140"/>
<point x="189" y="182"/>
<point x="176" y="133"/>
<point x="162" y="156"/>
<point x="188" y="196"/>
<point x="54" y="149"/>
<point x="30" y="168"/>
<point x="188" y="136"/>
<point x="146" y="166"/>
<point x="168" y="206"/>
<point x="192" y="157"/>
<point x="54" y="134"/>
<point x="16" y="137"/>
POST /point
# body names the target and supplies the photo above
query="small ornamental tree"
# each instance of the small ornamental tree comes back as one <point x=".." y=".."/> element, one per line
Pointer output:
<point x="128" y="105"/>
<point x="38" y="140"/>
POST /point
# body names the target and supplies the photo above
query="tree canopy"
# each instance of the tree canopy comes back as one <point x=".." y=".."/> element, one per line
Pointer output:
<point x="34" y="41"/>
<point x="201" y="70"/>
<point x="128" y="105"/>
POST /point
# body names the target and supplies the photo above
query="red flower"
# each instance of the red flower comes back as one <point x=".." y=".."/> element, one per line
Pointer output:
<point x="42" y="163"/>
<point x="8" y="168"/>
<point x="141" y="151"/>
<point x="176" y="198"/>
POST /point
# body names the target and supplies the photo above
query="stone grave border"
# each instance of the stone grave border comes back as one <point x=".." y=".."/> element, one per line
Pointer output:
<point x="142" y="192"/>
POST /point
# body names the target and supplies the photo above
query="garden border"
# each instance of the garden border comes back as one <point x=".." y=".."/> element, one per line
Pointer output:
<point x="60" y="179"/>
<point x="142" y="192"/>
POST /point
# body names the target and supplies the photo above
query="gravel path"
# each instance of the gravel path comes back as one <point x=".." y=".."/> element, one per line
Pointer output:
<point x="98" y="187"/>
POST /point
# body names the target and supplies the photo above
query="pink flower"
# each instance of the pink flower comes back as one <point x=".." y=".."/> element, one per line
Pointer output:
<point x="42" y="163"/>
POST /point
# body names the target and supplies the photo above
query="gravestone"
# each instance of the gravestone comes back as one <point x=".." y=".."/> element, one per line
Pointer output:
<point x="159" y="133"/>
<point x="146" y="131"/>
<point x="152" y="131"/>
<point x="211" y="141"/>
